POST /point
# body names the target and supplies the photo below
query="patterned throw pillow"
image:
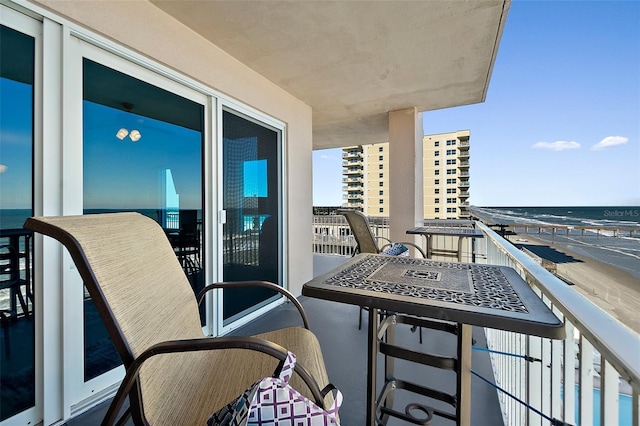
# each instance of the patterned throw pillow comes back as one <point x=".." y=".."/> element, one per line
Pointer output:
<point x="396" y="249"/>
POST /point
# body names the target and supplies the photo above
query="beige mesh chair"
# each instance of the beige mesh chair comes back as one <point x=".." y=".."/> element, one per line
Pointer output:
<point x="174" y="374"/>
<point x="365" y="240"/>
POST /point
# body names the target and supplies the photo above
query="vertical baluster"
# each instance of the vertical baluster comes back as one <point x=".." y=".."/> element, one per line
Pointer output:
<point x="635" y="409"/>
<point x="534" y="377"/>
<point x="556" y="373"/>
<point x="586" y="382"/>
<point x="569" y="374"/>
<point x="609" y="393"/>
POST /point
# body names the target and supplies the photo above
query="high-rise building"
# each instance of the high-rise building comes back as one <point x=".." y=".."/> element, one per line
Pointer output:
<point x="445" y="176"/>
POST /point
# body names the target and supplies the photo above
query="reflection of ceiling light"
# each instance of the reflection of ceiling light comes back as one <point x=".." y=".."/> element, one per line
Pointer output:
<point x="135" y="135"/>
<point x="122" y="133"/>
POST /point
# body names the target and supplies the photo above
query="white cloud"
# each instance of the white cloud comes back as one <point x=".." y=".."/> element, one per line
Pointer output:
<point x="608" y="142"/>
<point x="3" y="168"/>
<point x="557" y="145"/>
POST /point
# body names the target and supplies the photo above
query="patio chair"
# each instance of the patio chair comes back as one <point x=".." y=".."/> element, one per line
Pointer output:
<point x="174" y="374"/>
<point x="365" y="240"/>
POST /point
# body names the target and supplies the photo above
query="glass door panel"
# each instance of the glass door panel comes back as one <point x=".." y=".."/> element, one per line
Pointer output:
<point x="142" y="151"/>
<point x="17" y="330"/>
<point x="251" y="199"/>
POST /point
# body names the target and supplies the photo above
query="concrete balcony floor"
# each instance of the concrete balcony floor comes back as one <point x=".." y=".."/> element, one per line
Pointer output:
<point x="344" y="350"/>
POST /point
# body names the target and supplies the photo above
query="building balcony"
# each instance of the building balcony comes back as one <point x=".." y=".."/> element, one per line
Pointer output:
<point x="598" y="355"/>
<point x="353" y="171"/>
<point x="352" y="180"/>
<point x="463" y="164"/>
<point x="356" y="155"/>
<point x="464" y="194"/>
<point x="597" y="359"/>
<point x="463" y="183"/>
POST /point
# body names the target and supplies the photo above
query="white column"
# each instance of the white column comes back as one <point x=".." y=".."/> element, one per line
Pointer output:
<point x="405" y="173"/>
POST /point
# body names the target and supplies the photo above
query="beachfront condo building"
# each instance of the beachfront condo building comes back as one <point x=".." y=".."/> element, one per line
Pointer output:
<point x="445" y="175"/>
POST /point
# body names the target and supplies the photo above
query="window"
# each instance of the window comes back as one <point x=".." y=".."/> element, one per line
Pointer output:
<point x="381" y="175"/>
<point x="380" y="201"/>
<point x="451" y="171"/>
<point x="451" y="209"/>
<point x="451" y="142"/>
<point x="437" y="182"/>
<point x="436" y="172"/>
<point x="451" y="161"/>
<point x="452" y="200"/>
<point x="437" y="154"/>
<point x="147" y="157"/>
<point x="381" y="209"/>
<point x="437" y="210"/>
<point x="436" y="143"/>
<point x="380" y="157"/>
<point x="380" y="166"/>
<point x="437" y="191"/>
<point x="451" y="181"/>
<point x="436" y="200"/>
<point x="381" y="192"/>
<point x="436" y="163"/>
<point x="451" y="190"/>
<point x="451" y="152"/>
<point x="380" y="149"/>
<point x="17" y="90"/>
<point x="380" y="183"/>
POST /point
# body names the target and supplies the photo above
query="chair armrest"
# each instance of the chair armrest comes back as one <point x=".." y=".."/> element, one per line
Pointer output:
<point x="265" y="284"/>
<point x="205" y="344"/>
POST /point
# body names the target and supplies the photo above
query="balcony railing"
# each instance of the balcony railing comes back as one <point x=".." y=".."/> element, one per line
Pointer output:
<point x="597" y="365"/>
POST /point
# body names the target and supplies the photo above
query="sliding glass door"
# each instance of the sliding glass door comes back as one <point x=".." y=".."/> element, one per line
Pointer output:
<point x="252" y="242"/>
<point x="143" y="148"/>
<point x="17" y="316"/>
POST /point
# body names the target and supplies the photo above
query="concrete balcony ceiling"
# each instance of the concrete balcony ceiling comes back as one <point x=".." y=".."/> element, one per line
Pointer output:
<point x="354" y="61"/>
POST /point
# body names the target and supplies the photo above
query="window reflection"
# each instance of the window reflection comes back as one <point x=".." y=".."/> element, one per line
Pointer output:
<point x="17" y="332"/>
<point x="142" y="151"/>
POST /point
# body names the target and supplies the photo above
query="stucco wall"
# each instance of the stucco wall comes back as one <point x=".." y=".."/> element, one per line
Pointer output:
<point x="141" y="26"/>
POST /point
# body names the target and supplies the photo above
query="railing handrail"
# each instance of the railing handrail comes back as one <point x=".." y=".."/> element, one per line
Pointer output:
<point x="618" y="344"/>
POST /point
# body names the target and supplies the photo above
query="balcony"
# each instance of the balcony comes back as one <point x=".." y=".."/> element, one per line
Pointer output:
<point x="352" y="155"/>
<point x="598" y="357"/>
<point x="352" y="179"/>
<point x="463" y="164"/>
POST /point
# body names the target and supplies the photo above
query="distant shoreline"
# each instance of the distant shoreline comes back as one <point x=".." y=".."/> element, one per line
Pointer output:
<point x="612" y="289"/>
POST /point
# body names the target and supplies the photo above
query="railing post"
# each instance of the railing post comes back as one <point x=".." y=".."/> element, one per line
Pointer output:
<point x="609" y="393"/>
<point x="569" y="374"/>
<point x="586" y="382"/>
<point x="534" y="376"/>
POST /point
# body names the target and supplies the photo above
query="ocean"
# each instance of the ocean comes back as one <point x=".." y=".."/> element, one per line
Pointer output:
<point x="621" y="251"/>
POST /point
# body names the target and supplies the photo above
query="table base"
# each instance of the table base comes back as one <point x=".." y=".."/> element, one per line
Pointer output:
<point x="382" y="408"/>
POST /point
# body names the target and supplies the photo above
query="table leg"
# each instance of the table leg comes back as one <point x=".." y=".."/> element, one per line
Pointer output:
<point x="372" y="364"/>
<point x="463" y="409"/>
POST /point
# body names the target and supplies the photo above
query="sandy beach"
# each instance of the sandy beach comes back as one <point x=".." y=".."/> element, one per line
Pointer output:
<point x="613" y="290"/>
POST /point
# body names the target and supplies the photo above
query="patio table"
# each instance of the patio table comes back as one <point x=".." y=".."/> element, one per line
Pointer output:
<point x="462" y="293"/>
<point x="454" y="231"/>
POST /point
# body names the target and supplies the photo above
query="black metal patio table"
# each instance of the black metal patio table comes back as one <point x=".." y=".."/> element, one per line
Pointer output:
<point x="460" y="294"/>
<point x="453" y="231"/>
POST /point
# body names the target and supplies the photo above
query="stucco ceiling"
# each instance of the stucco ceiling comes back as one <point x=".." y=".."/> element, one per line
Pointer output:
<point x="354" y="61"/>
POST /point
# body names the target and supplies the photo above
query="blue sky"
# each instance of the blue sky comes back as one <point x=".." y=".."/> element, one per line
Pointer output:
<point x="561" y="122"/>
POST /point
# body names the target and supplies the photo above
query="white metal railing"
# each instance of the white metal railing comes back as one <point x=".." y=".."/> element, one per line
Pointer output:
<point x="599" y="356"/>
<point x="596" y="365"/>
